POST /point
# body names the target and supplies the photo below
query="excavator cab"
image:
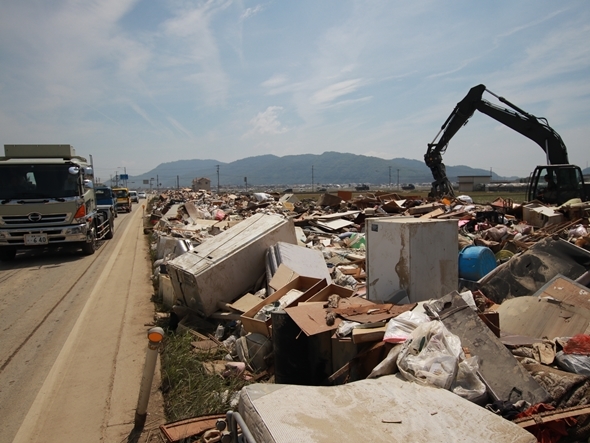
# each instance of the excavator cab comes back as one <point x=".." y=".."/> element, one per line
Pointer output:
<point x="556" y="184"/>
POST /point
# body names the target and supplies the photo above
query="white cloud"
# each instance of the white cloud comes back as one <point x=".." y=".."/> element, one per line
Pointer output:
<point x="332" y="92"/>
<point x="267" y="122"/>
<point x="275" y="81"/>
<point x="249" y="12"/>
<point x="179" y="127"/>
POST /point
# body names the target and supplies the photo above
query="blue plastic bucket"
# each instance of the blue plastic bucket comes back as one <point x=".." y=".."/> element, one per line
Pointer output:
<point x="475" y="262"/>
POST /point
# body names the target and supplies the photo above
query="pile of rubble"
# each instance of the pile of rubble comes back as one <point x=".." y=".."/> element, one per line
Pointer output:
<point x="488" y="303"/>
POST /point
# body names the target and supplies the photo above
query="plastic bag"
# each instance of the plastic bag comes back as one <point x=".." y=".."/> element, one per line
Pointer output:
<point x="578" y="344"/>
<point x="388" y="365"/>
<point x="218" y="214"/>
<point x="578" y="364"/>
<point x="402" y="326"/>
<point x="431" y="355"/>
<point x="467" y="384"/>
<point x="577" y="231"/>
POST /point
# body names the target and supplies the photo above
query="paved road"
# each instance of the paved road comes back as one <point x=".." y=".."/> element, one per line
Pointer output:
<point x="73" y="340"/>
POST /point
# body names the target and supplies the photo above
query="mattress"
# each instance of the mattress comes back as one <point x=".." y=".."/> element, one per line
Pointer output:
<point x="387" y="409"/>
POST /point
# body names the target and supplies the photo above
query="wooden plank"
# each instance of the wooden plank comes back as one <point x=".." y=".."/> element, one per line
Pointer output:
<point x="549" y="416"/>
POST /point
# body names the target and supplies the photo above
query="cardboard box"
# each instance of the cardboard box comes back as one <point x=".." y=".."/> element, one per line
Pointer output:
<point x="309" y="286"/>
<point x="329" y="290"/>
<point x="539" y="215"/>
<point x="311" y="317"/>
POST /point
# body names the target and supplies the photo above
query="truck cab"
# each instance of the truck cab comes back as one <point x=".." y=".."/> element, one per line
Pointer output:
<point x="47" y="198"/>
<point x="105" y="199"/>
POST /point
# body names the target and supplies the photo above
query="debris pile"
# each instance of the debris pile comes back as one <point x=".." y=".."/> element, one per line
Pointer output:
<point x="485" y="307"/>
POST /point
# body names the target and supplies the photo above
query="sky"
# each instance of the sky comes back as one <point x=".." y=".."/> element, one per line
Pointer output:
<point x="136" y="83"/>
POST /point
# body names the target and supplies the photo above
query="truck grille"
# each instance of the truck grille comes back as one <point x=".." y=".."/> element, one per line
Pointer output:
<point x="11" y="220"/>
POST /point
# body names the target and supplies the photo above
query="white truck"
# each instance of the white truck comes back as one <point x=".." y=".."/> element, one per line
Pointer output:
<point x="47" y="199"/>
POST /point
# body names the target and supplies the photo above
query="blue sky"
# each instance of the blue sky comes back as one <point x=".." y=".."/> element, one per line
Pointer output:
<point x="136" y="83"/>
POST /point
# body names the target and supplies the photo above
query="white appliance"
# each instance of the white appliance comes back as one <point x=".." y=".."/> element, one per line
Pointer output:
<point x="411" y="259"/>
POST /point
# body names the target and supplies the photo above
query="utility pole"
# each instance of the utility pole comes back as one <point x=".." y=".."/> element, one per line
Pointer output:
<point x="312" y="185"/>
<point x="158" y="184"/>
<point x="390" y="177"/>
<point x="398" y="179"/>
<point x="217" y="179"/>
<point x="177" y="182"/>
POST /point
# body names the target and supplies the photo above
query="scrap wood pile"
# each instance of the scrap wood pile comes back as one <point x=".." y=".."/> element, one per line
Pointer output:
<point x="274" y="280"/>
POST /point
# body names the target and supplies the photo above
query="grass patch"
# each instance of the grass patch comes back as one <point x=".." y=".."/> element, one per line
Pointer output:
<point x="189" y="391"/>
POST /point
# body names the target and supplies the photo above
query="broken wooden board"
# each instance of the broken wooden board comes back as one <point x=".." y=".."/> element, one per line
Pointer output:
<point x="505" y="377"/>
<point x="566" y="290"/>
<point x="424" y="209"/>
<point x="183" y="429"/>
<point x="434" y="214"/>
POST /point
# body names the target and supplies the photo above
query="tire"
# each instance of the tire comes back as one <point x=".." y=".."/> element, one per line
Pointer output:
<point x="111" y="232"/>
<point x="89" y="246"/>
<point x="7" y="254"/>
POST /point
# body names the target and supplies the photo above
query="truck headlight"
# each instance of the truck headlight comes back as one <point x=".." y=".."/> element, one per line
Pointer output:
<point x="76" y="230"/>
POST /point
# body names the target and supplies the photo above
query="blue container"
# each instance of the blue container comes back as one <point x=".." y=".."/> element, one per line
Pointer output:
<point x="475" y="262"/>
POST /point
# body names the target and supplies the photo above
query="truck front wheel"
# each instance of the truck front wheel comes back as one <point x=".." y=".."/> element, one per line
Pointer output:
<point x="7" y="254"/>
<point x="89" y="247"/>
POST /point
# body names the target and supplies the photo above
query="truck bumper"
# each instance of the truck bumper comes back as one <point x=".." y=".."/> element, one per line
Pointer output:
<point x="55" y="235"/>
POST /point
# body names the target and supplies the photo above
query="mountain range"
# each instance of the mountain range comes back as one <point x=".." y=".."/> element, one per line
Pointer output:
<point x="326" y="168"/>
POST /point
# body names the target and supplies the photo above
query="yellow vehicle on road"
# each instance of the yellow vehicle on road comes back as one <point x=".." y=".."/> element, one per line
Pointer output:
<point x="123" y="199"/>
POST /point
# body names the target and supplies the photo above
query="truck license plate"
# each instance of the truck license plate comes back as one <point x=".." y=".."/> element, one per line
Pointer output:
<point x="36" y="239"/>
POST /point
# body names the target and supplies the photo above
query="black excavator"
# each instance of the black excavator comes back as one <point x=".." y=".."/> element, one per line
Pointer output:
<point x="554" y="183"/>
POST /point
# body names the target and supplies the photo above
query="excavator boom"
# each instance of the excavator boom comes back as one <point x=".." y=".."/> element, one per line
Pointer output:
<point x="535" y="128"/>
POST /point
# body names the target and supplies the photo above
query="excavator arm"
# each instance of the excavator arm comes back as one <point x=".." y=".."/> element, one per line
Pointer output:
<point x="535" y="128"/>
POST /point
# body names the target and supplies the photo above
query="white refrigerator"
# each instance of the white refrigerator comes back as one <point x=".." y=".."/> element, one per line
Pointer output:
<point x="411" y="259"/>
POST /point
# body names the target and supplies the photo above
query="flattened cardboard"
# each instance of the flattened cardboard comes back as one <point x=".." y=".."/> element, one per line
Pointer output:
<point x="308" y="285"/>
<point x="311" y="317"/>
<point x="371" y="314"/>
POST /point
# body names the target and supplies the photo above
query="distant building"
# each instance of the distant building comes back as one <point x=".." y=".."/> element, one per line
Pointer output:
<point x="468" y="183"/>
<point x="201" y="183"/>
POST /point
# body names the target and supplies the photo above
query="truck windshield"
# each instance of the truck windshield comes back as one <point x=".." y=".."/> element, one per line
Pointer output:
<point x="38" y="181"/>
